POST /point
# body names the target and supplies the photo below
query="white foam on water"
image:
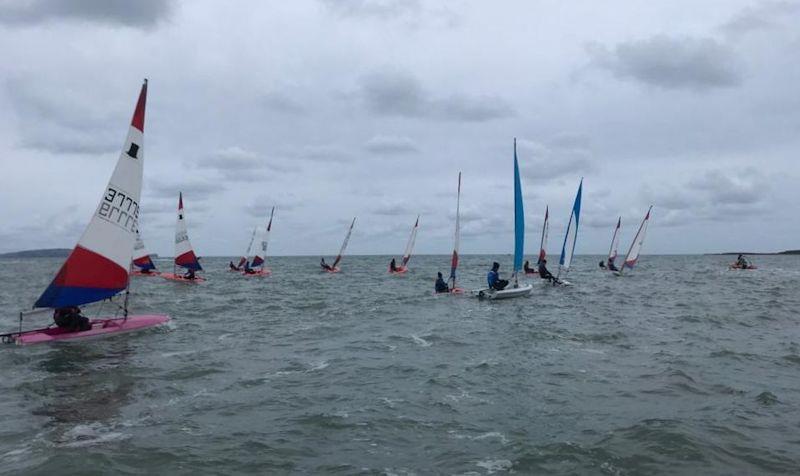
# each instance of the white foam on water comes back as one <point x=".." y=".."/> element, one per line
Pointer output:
<point x="420" y="341"/>
<point x="494" y="465"/>
<point x="323" y="364"/>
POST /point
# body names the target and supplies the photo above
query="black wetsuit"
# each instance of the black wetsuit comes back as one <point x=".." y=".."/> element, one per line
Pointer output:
<point x="545" y="274"/>
<point x="441" y="286"/>
<point x="70" y="319"/>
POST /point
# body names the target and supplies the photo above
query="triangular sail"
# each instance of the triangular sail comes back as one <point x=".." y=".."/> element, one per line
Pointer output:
<point x="571" y="236"/>
<point x="545" y="232"/>
<point x="141" y="258"/>
<point x="261" y="252"/>
<point x="457" y="238"/>
<point x="243" y="259"/>
<point x="519" y="217"/>
<point x="410" y="245"/>
<point x="184" y="253"/>
<point x="98" y="266"/>
<point x="636" y="247"/>
<point x="344" y="244"/>
<point x="612" y="252"/>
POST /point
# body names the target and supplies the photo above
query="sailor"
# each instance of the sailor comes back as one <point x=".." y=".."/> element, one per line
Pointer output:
<point x="527" y="268"/>
<point x="441" y="286"/>
<point x="602" y="264"/>
<point x="742" y="262"/>
<point x="545" y="274"/>
<point x="233" y="267"/>
<point x="248" y="269"/>
<point x="493" y="278"/>
<point x="325" y="265"/>
<point x="393" y="266"/>
<point x="189" y="275"/>
<point x="611" y="266"/>
<point x="70" y="319"/>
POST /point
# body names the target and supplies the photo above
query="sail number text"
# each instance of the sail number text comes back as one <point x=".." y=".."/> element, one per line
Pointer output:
<point x="119" y="209"/>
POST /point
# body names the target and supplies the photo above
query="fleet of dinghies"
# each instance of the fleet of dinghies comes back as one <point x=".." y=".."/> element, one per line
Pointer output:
<point x="111" y="250"/>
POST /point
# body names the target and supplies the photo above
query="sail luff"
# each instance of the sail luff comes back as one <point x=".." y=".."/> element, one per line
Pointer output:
<point x="98" y="267"/>
<point x="344" y="244"/>
<point x="571" y="236"/>
<point x="457" y="237"/>
<point x="412" y="238"/>
<point x="519" y="217"/>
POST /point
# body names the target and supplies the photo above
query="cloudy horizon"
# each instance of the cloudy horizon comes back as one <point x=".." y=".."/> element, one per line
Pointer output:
<point x="332" y="109"/>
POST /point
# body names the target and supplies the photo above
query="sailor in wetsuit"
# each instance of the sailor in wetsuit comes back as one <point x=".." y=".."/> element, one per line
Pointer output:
<point x="527" y="268"/>
<point x="441" y="286"/>
<point x="248" y="269"/>
<point x="233" y="267"/>
<point x="611" y="266"/>
<point x="545" y="274"/>
<point x="70" y="319"/>
<point x="393" y="266"/>
<point x="325" y="265"/>
<point x="493" y="278"/>
<point x="602" y="264"/>
<point x="189" y="275"/>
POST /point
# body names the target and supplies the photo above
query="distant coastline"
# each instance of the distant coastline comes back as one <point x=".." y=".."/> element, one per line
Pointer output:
<point x="787" y="252"/>
<point x="45" y="253"/>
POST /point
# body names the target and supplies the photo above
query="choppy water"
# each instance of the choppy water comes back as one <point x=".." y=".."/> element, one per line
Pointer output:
<point x="681" y="368"/>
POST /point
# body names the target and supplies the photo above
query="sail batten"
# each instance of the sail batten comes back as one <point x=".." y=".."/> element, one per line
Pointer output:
<point x="98" y="267"/>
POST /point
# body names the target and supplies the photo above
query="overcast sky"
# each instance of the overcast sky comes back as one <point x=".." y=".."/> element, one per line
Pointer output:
<point x="332" y="109"/>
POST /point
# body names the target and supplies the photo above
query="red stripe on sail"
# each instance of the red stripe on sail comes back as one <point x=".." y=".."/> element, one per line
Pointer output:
<point x="138" y="114"/>
<point x="87" y="269"/>
<point x="257" y="261"/>
<point x="186" y="259"/>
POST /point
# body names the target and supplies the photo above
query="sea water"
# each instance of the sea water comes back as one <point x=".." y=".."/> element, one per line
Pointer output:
<point x="681" y="367"/>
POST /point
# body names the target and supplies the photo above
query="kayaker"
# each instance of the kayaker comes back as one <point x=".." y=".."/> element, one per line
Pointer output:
<point x="493" y="278"/>
<point x="393" y="266"/>
<point x="325" y="265"/>
<point x="545" y="274"/>
<point x="527" y="268"/>
<point x="70" y="319"/>
<point x="441" y="286"/>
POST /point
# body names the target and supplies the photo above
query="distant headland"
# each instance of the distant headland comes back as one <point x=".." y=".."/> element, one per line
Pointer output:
<point x="46" y="253"/>
<point x="787" y="252"/>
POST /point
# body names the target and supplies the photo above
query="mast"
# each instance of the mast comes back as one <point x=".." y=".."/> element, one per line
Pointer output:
<point x="454" y="260"/>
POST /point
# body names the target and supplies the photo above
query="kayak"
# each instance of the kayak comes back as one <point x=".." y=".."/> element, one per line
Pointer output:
<point x="179" y="278"/>
<point x="261" y="272"/>
<point x="139" y="273"/>
<point x="100" y="327"/>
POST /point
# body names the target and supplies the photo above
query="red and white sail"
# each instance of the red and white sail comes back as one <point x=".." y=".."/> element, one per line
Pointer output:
<point x="410" y="245"/>
<point x="141" y="258"/>
<point x="638" y="241"/>
<point x="261" y="254"/>
<point x="184" y="253"/>
<point x="612" y="252"/>
<point x="98" y="267"/>
<point x="545" y="232"/>
<point x="344" y="244"/>
<point x="243" y="258"/>
<point x="456" y="238"/>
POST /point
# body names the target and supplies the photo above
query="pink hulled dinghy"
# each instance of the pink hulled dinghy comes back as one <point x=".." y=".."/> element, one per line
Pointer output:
<point x="100" y="327"/>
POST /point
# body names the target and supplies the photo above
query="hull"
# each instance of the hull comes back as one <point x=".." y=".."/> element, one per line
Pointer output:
<point x="334" y="270"/>
<point x="179" y="278"/>
<point x="100" y="327"/>
<point x="151" y="273"/>
<point x="734" y="266"/>
<point x="261" y="272"/>
<point x="507" y="293"/>
<point x="399" y="270"/>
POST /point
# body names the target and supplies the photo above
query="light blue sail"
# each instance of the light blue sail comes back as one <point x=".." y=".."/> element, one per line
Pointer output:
<point x="571" y="237"/>
<point x="519" y="216"/>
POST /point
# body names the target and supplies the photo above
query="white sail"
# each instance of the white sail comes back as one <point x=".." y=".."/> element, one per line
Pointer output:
<point x="612" y="251"/>
<point x="411" y="240"/>
<point x="184" y="253"/>
<point x="457" y="237"/>
<point x="638" y="241"/>
<point x="344" y="244"/>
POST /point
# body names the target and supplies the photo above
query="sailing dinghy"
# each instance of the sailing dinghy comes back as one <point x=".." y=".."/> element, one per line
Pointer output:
<point x="243" y="258"/>
<point x="142" y="260"/>
<point x="258" y="265"/>
<point x="570" y="238"/>
<point x="612" y="251"/>
<point x="98" y="267"/>
<point x="334" y="268"/>
<point x="636" y="246"/>
<point x="184" y="253"/>
<point x="514" y="289"/>
<point x="403" y="268"/>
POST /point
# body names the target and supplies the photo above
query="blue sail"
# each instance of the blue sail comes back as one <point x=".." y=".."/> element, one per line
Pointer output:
<point x="519" y="216"/>
<point x="568" y="249"/>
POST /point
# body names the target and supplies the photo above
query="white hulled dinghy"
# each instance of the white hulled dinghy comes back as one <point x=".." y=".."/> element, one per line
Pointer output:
<point x="514" y="289"/>
<point x="98" y="268"/>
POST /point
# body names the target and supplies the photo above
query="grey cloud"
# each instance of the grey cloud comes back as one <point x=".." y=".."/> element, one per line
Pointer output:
<point x="391" y="145"/>
<point x="241" y="165"/>
<point x="394" y="209"/>
<point x="384" y="9"/>
<point x="541" y="161"/>
<point x="318" y="153"/>
<point x="283" y="103"/>
<point x="193" y="190"/>
<point x="402" y="95"/>
<point x="764" y="16"/>
<point x="671" y="62"/>
<point x="138" y="14"/>
<point x="261" y="205"/>
<point x="744" y="188"/>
